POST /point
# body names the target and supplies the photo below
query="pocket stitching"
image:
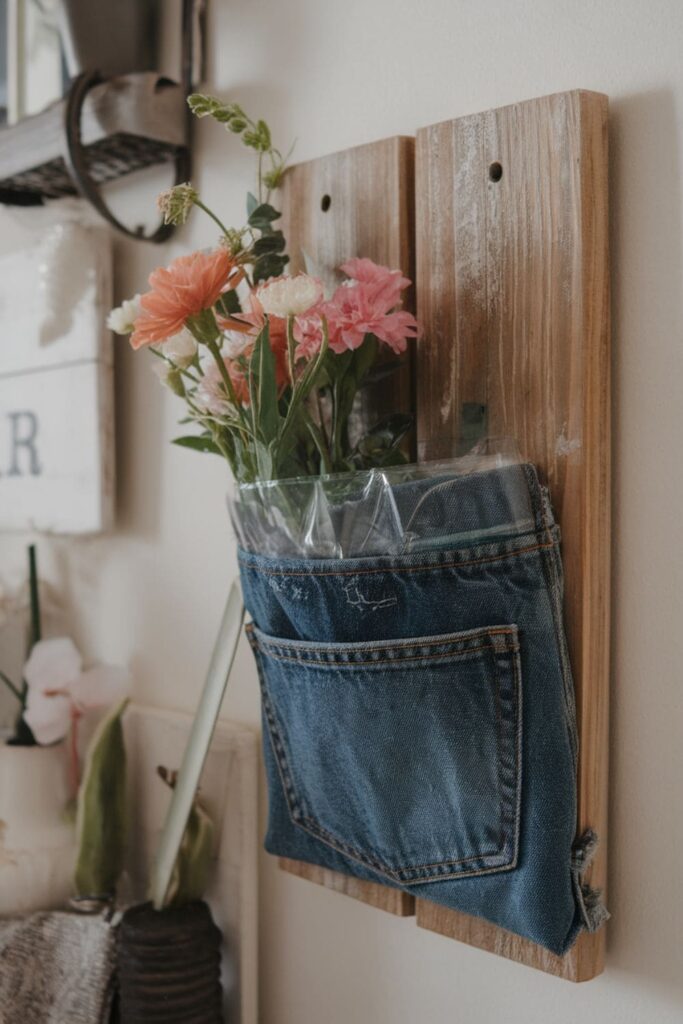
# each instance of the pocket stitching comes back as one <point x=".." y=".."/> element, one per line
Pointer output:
<point x="310" y="826"/>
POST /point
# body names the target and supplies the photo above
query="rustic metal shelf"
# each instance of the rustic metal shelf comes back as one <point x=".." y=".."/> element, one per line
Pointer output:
<point x="126" y="124"/>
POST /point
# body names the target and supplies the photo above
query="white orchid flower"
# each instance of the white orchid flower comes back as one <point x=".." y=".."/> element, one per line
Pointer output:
<point x="60" y="692"/>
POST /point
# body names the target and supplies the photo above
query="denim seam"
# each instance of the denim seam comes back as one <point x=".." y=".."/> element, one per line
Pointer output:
<point x="390" y="661"/>
<point x="309" y="825"/>
<point x="554" y="589"/>
<point x="392" y="570"/>
<point x="445" y="639"/>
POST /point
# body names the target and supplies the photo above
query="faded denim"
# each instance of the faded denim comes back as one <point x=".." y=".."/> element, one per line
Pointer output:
<point x="419" y="722"/>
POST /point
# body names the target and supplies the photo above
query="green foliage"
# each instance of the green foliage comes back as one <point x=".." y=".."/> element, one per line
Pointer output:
<point x="202" y="443"/>
<point x="190" y="876"/>
<point x="255" y="135"/>
<point x="101" y="812"/>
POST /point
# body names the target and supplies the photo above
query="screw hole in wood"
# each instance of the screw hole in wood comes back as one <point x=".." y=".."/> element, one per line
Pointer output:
<point x="495" y="171"/>
<point x="325" y="203"/>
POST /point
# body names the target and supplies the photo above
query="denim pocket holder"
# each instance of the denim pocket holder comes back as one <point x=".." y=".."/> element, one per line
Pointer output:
<point x="354" y="729"/>
<point x="419" y="722"/>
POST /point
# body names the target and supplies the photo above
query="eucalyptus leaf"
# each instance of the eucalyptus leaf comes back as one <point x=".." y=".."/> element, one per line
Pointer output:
<point x="273" y="242"/>
<point x="262" y="216"/>
<point x="229" y="303"/>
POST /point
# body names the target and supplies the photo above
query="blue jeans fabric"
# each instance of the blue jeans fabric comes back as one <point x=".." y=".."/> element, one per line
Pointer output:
<point x="419" y="722"/>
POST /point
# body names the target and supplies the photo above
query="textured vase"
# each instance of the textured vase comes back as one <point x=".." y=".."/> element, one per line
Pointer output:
<point x="169" y="966"/>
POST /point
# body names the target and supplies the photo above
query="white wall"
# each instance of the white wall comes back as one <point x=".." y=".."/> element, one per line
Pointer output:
<point x="335" y="74"/>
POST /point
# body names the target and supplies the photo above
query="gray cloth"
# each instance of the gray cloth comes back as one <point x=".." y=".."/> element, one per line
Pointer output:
<point x="56" y="968"/>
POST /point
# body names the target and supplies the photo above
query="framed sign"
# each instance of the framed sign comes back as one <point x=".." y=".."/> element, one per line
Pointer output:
<point x="56" y="407"/>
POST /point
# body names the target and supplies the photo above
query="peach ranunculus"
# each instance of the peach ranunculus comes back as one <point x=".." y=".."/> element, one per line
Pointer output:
<point x="188" y="286"/>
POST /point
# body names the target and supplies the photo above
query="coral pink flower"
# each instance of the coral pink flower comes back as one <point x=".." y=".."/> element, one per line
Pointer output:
<point x="367" y="307"/>
<point x="189" y="285"/>
<point x="252" y="323"/>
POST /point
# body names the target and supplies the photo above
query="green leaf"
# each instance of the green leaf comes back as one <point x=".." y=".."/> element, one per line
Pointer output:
<point x="269" y="265"/>
<point x="264" y="391"/>
<point x="198" y="444"/>
<point x="191" y="871"/>
<point x="101" y="815"/>
<point x="229" y="303"/>
<point x="273" y="242"/>
<point x="262" y="216"/>
<point x="252" y="203"/>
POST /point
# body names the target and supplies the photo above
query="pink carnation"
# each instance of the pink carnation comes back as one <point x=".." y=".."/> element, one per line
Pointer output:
<point x="367" y="307"/>
<point x="389" y="283"/>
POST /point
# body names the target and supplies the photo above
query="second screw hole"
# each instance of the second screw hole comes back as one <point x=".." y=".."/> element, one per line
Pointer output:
<point x="495" y="171"/>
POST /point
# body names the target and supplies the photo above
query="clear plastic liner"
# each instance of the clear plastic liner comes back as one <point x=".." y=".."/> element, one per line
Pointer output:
<point x="385" y="511"/>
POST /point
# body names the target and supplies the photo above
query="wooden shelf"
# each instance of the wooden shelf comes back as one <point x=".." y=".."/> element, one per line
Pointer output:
<point x="127" y="123"/>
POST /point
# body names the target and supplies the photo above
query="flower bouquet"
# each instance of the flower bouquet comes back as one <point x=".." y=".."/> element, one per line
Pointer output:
<point x="268" y="366"/>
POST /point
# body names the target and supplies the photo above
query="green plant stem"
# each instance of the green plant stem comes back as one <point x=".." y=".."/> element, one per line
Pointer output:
<point x="36" y="629"/>
<point x="291" y="347"/>
<point x="229" y="387"/>
<point x="212" y="215"/>
<point x="319" y="441"/>
<point x="10" y="686"/>
<point x="304" y="385"/>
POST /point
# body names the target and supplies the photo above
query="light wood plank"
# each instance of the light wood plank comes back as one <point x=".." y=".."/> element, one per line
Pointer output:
<point x="513" y="294"/>
<point x="355" y="203"/>
<point x="394" y="901"/>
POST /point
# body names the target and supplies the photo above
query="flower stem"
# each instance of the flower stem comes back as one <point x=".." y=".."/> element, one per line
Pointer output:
<point x="10" y="686"/>
<point x="319" y="441"/>
<point x="212" y="215"/>
<point x="291" y="347"/>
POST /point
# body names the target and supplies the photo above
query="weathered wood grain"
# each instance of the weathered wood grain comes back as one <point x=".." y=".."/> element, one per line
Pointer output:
<point x="355" y="203"/>
<point x="359" y="202"/>
<point x="513" y="295"/>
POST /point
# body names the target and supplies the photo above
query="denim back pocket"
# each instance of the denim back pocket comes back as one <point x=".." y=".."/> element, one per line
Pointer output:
<point x="403" y="755"/>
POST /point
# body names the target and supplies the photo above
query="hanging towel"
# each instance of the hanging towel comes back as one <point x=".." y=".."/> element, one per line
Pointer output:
<point x="56" y="968"/>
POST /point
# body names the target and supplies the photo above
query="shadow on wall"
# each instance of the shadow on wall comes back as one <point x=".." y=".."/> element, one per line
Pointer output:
<point x="646" y="831"/>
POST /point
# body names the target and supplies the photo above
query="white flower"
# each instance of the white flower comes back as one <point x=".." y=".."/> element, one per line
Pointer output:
<point x="236" y="344"/>
<point x="59" y="690"/>
<point x="290" y="296"/>
<point x="121" y="320"/>
<point x="210" y="395"/>
<point x="180" y="349"/>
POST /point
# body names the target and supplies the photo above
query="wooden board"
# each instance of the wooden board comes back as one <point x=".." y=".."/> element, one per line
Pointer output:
<point x="513" y="295"/>
<point x="229" y="788"/>
<point x="355" y="203"/>
<point x="56" y="387"/>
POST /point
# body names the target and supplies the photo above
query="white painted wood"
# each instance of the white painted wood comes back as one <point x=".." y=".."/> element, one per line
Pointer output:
<point x="56" y="404"/>
<point x="229" y="788"/>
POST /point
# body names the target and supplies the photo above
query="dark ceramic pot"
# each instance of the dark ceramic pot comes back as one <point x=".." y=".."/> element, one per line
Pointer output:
<point x="169" y="966"/>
